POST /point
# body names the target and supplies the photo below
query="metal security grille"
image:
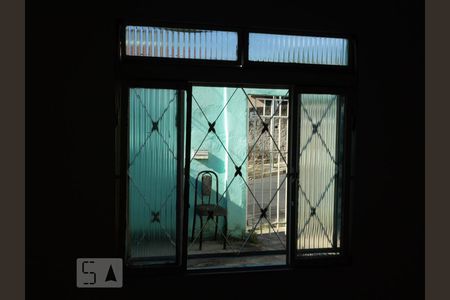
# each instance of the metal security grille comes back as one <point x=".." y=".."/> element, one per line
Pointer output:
<point x="266" y="129"/>
<point x="242" y="135"/>
<point x="266" y="168"/>
<point x="320" y="158"/>
<point x="152" y="173"/>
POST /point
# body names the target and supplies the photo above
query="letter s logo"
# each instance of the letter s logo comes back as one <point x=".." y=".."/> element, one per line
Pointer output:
<point x="84" y="272"/>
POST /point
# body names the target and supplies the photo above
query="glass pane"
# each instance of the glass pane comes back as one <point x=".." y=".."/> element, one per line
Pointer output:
<point x="320" y="176"/>
<point x="238" y="187"/>
<point x="298" y="49"/>
<point x="181" y="43"/>
<point x="152" y="176"/>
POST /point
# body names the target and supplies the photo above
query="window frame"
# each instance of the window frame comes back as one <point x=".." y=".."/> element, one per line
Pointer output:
<point x="242" y="47"/>
<point x="344" y="257"/>
<point x="187" y="169"/>
<point x="122" y="158"/>
<point x="132" y="73"/>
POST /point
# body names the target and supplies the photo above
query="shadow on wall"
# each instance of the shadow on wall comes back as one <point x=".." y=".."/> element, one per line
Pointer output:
<point x="234" y="198"/>
<point x="235" y="228"/>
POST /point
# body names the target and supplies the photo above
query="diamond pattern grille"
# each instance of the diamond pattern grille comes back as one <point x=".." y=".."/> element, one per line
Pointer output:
<point x="319" y="169"/>
<point x="152" y="171"/>
<point x="209" y="126"/>
<point x="317" y="151"/>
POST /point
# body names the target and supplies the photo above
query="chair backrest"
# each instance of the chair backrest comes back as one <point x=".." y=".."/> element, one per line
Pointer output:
<point x="206" y="187"/>
<point x="206" y="184"/>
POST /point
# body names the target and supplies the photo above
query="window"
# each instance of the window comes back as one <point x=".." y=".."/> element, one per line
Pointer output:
<point x="320" y="173"/>
<point x="225" y="171"/>
<point x="297" y="49"/>
<point x="181" y="43"/>
<point x="248" y="164"/>
<point x="153" y="136"/>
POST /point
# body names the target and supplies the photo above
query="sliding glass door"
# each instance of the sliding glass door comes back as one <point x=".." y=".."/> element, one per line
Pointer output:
<point x="237" y="178"/>
<point x="223" y="198"/>
<point x="321" y="166"/>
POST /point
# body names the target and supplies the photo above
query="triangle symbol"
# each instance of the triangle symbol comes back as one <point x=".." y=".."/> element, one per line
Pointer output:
<point x="110" y="276"/>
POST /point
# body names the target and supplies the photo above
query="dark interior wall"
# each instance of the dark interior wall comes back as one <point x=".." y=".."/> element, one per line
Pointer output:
<point x="70" y="146"/>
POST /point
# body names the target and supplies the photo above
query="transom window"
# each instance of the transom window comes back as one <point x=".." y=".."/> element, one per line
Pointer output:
<point x="280" y="48"/>
<point x="181" y="43"/>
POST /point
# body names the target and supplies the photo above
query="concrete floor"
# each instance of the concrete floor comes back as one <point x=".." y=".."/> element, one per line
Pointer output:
<point x="263" y="242"/>
<point x="235" y="255"/>
<point x="236" y="262"/>
<point x="240" y="257"/>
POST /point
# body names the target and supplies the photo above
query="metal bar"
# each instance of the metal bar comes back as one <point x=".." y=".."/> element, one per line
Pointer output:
<point x="180" y="177"/>
<point x="149" y="259"/>
<point x="243" y="47"/>
<point x="293" y="173"/>
<point x="262" y="170"/>
<point x="254" y="174"/>
<point x="117" y="168"/>
<point x="201" y="110"/>
<point x="226" y="104"/>
<point x="186" y="178"/>
<point x="319" y="251"/>
<point x="278" y="170"/>
<point x="239" y="270"/>
<point x="272" y="112"/>
<point x="276" y="233"/>
<point x="286" y="148"/>
<point x="348" y="171"/>
<point x="122" y="170"/>
<point x="238" y="254"/>
<point x="125" y="163"/>
<point x="226" y="150"/>
<point x="337" y="181"/>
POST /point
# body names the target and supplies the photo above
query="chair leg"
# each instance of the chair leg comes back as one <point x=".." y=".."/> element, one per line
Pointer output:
<point x="193" y="228"/>
<point x="225" y="230"/>
<point x="201" y="232"/>
<point x="215" y="232"/>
